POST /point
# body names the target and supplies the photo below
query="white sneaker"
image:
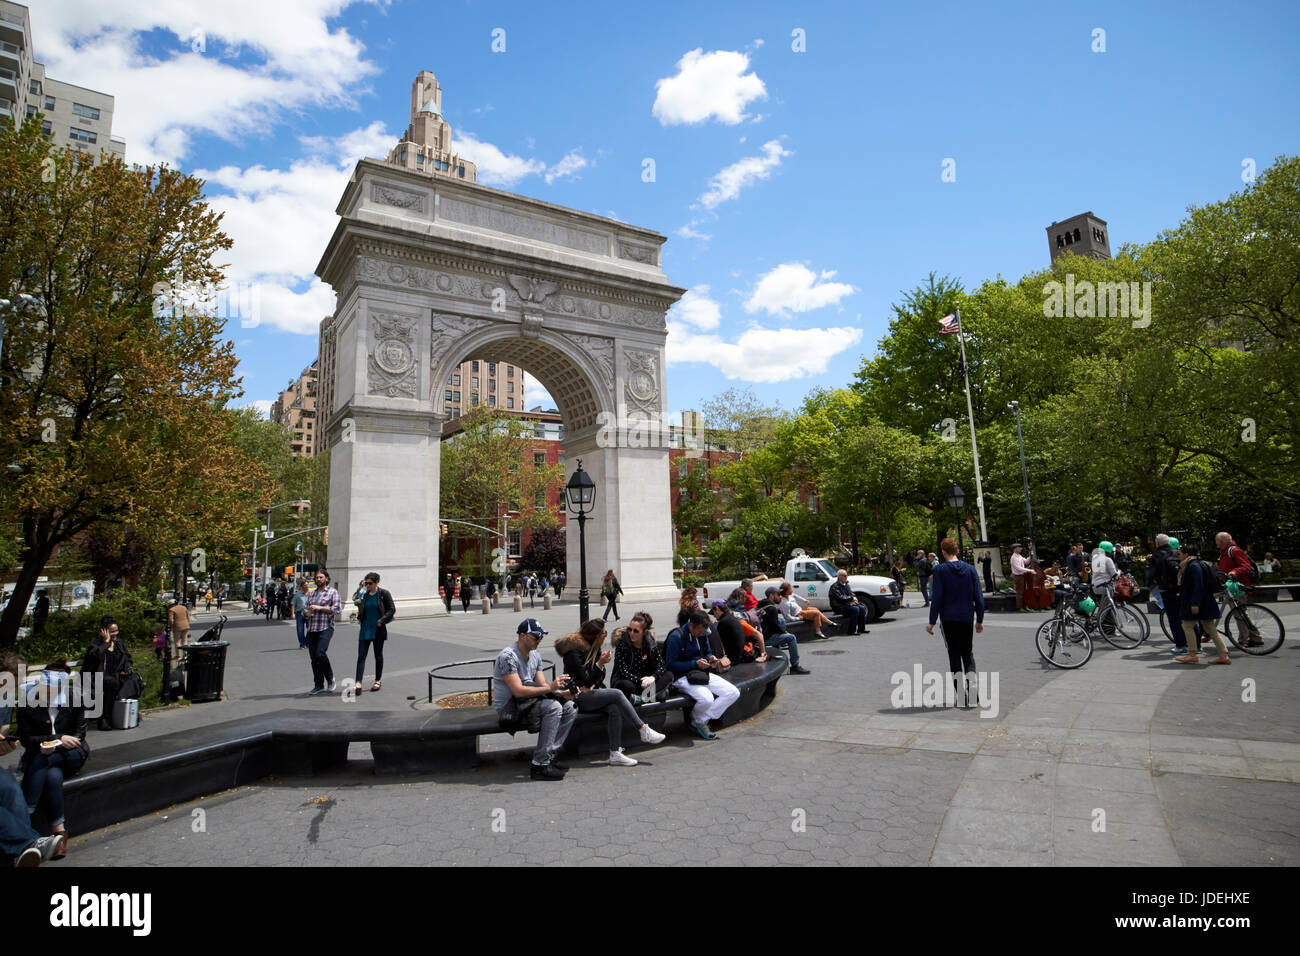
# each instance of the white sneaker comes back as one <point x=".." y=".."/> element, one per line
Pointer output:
<point x="651" y="736"/>
<point x="332" y="686"/>
<point x="619" y="759"/>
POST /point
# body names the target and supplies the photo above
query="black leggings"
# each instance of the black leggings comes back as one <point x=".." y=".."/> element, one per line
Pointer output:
<point x="610" y="607"/>
<point x="959" y="636"/>
<point x="363" y="648"/>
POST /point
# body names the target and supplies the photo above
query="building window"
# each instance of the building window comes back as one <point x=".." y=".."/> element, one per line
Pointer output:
<point x="683" y="467"/>
<point x="49" y="103"/>
<point x="419" y="158"/>
<point x="461" y="172"/>
<point x="473" y="398"/>
<point x="1060" y="242"/>
<point x="1076" y="235"/>
<point x="539" y="459"/>
<point x="455" y="379"/>
<point x="474" y="381"/>
<point x="455" y="413"/>
<point x="539" y="499"/>
<point x="516" y="542"/>
<point x="510" y="371"/>
<point x="492" y="401"/>
<point x="89" y="112"/>
<point x="539" y="431"/>
<point x="447" y="396"/>
<point x="456" y="397"/>
<point x="473" y="366"/>
<point x="31" y="111"/>
<point x="35" y="87"/>
<point x="82" y="136"/>
<point x="1068" y="240"/>
<point x="492" y="385"/>
<point x="510" y="403"/>
<point x="446" y="411"/>
<point x="492" y="368"/>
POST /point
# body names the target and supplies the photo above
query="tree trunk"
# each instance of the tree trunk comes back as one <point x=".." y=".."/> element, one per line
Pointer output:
<point x="23" y="588"/>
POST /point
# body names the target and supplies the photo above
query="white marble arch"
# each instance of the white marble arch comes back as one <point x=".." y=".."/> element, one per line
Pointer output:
<point x="429" y="273"/>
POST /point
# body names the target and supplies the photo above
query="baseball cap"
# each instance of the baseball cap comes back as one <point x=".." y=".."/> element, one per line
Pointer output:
<point x="529" y="625"/>
<point x="772" y="590"/>
<point x="719" y="604"/>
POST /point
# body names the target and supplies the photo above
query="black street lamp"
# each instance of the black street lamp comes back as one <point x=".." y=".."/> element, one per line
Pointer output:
<point x="957" y="498"/>
<point x="749" y="565"/>
<point x="1024" y="474"/>
<point x="580" y="497"/>
<point x="783" y="533"/>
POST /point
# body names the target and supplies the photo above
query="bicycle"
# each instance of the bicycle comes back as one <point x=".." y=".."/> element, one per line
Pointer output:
<point x="1250" y="619"/>
<point x="1063" y="641"/>
<point x="1119" y="624"/>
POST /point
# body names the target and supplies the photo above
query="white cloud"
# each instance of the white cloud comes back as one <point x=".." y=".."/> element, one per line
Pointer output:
<point x="793" y="287"/>
<point x="761" y="355"/>
<point x="728" y="183"/>
<point x="707" y="85"/>
<point x="689" y="231"/>
<point x="495" y="168"/>
<point x="570" y="165"/>
<point x="697" y="309"/>
<point x="535" y="394"/>
<point x="261" y="406"/>
<point x="259" y="61"/>
<point x="373" y="141"/>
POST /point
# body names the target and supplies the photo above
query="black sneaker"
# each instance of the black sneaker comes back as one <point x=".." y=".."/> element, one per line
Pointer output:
<point x="548" y="772"/>
<point x="796" y="669"/>
<point x="562" y="767"/>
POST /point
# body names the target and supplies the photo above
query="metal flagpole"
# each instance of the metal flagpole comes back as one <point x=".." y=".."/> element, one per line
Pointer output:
<point x="970" y="411"/>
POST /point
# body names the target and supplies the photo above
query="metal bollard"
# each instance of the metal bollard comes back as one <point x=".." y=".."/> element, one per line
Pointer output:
<point x="487" y="605"/>
<point x="519" y="603"/>
<point x="546" y="601"/>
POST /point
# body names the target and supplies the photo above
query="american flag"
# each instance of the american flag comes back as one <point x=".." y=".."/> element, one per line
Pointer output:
<point x="948" y="325"/>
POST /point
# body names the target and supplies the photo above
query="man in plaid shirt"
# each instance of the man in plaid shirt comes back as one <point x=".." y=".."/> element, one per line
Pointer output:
<point x="322" y="606"/>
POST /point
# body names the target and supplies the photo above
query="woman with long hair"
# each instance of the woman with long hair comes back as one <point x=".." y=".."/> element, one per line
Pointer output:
<point x="53" y="735"/>
<point x="374" y="610"/>
<point x="610" y="591"/>
<point x="1197" y="606"/>
<point x="796" y="608"/>
<point x="639" y="668"/>
<point x="585" y="658"/>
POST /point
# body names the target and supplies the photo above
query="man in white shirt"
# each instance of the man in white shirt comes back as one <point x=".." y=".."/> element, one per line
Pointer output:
<point x="1019" y="576"/>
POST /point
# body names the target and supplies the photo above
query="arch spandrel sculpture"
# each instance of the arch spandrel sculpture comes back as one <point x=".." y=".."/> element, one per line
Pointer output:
<point x="430" y="272"/>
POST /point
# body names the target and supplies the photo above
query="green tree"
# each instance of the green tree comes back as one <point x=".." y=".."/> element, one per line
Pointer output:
<point x="113" y="406"/>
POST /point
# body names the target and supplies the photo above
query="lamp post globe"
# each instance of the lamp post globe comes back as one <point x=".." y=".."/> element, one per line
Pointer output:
<point x="580" y="497"/>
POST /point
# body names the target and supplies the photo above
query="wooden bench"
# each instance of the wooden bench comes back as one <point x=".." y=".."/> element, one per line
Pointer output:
<point x="150" y="773"/>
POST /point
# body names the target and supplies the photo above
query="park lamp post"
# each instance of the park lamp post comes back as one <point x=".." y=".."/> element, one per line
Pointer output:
<point x="783" y="533"/>
<point x="957" y="498"/>
<point x="1024" y="474"/>
<point x="580" y="498"/>
<point x="301" y="502"/>
<point x="749" y="564"/>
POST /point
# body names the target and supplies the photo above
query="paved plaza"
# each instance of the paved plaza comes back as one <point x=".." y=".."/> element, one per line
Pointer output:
<point x="1132" y="760"/>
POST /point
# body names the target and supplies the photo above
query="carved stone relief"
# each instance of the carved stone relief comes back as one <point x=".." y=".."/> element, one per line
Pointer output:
<point x="401" y="198"/>
<point x="641" y="386"/>
<point x="601" y="352"/>
<point x="643" y="254"/>
<point x="391" y="363"/>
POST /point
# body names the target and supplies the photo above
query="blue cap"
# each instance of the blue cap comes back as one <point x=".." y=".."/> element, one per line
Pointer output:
<point x="529" y="625"/>
<point x="719" y="604"/>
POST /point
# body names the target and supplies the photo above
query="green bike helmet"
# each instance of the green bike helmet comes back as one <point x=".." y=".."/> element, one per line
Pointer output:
<point x="1087" y="605"/>
<point x="1107" y="547"/>
<point x="1173" y="543"/>
<point x="1235" y="589"/>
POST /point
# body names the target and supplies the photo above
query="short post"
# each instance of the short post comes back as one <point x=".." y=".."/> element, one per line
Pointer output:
<point x="519" y="602"/>
<point x="487" y="604"/>
<point x="546" y="601"/>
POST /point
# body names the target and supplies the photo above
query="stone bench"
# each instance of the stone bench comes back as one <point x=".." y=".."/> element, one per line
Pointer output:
<point x="151" y="773"/>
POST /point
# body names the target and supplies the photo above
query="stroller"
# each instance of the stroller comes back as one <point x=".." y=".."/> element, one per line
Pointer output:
<point x="214" y="632"/>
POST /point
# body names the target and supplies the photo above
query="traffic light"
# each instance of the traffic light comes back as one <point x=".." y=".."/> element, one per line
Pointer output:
<point x="288" y="570"/>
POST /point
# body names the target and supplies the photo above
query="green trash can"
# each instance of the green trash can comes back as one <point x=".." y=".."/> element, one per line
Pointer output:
<point x="205" y="670"/>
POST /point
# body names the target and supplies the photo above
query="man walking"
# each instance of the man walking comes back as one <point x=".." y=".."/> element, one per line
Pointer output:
<point x="325" y="605"/>
<point x="466" y="593"/>
<point x="40" y="612"/>
<point x="1162" y="576"/>
<point x="448" y="591"/>
<point x="1019" y="576"/>
<point x="178" y="621"/>
<point x="523" y="703"/>
<point x="922" y="575"/>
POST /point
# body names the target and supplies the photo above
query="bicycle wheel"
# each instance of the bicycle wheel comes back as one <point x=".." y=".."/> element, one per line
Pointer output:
<point x="1245" y="621"/>
<point x="1120" y="627"/>
<point x="1063" y="643"/>
<point x="1164" y="627"/>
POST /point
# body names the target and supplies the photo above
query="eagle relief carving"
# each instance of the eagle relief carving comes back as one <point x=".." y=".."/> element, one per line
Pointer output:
<point x="532" y="289"/>
<point x="391" y="365"/>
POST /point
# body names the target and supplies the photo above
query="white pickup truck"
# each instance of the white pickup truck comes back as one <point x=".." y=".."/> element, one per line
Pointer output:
<point x="811" y="578"/>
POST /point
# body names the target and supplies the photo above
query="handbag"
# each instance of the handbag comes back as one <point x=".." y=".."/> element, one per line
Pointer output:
<point x="697" y="676"/>
<point x="1124" y="587"/>
<point x="130" y="686"/>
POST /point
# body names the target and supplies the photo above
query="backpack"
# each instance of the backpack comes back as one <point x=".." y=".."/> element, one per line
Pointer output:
<point x="1213" y="583"/>
<point x="1254" y="568"/>
<point x="1124" y="587"/>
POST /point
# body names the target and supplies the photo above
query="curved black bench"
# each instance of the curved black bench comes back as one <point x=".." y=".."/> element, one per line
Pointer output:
<point x="151" y="773"/>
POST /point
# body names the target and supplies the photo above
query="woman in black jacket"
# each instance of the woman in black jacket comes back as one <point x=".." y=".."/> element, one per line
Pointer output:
<point x="374" y="610"/>
<point x="108" y="656"/>
<point x="610" y="590"/>
<point x="53" y="735"/>
<point x="639" y="668"/>
<point x="584" y="662"/>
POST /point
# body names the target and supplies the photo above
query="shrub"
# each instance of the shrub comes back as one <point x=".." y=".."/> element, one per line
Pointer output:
<point x="69" y="633"/>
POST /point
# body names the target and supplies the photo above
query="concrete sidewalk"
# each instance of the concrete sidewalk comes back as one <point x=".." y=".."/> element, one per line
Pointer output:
<point x="1131" y="760"/>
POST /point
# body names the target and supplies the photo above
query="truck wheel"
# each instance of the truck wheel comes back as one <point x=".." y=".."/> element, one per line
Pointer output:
<point x="873" y="612"/>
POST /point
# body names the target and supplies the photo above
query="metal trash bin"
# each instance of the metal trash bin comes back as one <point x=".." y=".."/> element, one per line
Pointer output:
<point x="126" y="714"/>
<point x="205" y="670"/>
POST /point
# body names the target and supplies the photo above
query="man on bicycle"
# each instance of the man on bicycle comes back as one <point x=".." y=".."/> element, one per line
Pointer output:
<point x="1104" y="573"/>
<point x="1235" y="565"/>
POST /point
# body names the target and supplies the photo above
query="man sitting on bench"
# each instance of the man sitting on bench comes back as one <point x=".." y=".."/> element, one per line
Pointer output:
<point x="774" y="632"/>
<point x="846" y="604"/>
<point x="522" y="701"/>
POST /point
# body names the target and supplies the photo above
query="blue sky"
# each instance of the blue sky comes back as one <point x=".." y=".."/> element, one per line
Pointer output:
<point x="800" y="191"/>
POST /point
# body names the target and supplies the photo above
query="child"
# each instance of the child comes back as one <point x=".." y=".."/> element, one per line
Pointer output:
<point x="159" y="640"/>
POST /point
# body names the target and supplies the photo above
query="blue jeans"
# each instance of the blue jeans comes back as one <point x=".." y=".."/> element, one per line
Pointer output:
<point x="318" y="644"/>
<point x="43" y="779"/>
<point x="855" y="617"/>
<point x="924" y="585"/>
<point x="302" y="628"/>
<point x="16" y="833"/>
<point x="786" y="639"/>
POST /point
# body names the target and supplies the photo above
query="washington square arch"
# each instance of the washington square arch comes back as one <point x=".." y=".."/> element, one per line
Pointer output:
<point x="431" y="269"/>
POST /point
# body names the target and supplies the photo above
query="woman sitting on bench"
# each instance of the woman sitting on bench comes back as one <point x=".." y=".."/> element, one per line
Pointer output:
<point x="639" y="668"/>
<point x="796" y="608"/>
<point x="53" y="735"/>
<point x="584" y="662"/>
